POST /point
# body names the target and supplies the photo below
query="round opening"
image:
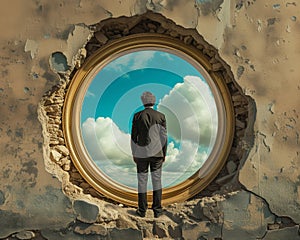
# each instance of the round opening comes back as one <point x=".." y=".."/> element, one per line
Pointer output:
<point x="104" y="95"/>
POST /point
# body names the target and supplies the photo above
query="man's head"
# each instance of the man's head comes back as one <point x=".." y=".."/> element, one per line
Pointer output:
<point x="148" y="99"/>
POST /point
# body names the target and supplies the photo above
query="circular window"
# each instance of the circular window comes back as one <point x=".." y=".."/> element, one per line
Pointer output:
<point x="105" y="93"/>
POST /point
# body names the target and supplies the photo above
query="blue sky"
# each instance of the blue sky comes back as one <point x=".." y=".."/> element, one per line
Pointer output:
<point x="115" y="91"/>
<point x="127" y="90"/>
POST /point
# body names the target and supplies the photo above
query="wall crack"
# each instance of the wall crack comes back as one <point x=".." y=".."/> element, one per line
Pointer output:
<point x="280" y="221"/>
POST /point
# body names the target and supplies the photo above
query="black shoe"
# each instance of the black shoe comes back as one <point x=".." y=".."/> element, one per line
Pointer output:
<point x="157" y="214"/>
<point x="141" y="214"/>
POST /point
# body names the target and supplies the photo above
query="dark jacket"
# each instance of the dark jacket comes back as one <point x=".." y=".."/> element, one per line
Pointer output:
<point x="149" y="134"/>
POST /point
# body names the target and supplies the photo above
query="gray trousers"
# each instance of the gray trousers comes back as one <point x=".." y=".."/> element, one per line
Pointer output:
<point x="155" y="164"/>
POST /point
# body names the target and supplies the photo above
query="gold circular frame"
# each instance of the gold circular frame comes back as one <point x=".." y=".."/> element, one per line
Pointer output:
<point x="73" y="102"/>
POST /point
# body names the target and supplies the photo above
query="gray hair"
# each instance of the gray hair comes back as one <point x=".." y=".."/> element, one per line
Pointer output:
<point x="148" y="99"/>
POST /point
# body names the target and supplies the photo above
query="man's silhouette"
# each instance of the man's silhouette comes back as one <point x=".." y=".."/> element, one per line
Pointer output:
<point x="149" y="146"/>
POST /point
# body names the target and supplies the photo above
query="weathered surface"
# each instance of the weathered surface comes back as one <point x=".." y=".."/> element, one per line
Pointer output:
<point x="286" y="233"/>
<point x="258" y="39"/>
<point x="25" y="235"/>
<point x="86" y="212"/>
<point x="253" y="215"/>
<point x="270" y="77"/>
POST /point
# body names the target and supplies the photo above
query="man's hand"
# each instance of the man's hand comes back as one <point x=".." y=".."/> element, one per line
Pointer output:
<point x="135" y="159"/>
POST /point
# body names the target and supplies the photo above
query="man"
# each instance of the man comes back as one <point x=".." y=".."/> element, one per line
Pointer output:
<point x="149" y="146"/>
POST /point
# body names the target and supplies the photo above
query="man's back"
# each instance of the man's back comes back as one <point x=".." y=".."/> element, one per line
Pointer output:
<point x="149" y="134"/>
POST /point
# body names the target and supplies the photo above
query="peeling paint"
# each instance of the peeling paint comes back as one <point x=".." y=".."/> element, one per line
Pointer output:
<point x="32" y="47"/>
<point x="76" y="40"/>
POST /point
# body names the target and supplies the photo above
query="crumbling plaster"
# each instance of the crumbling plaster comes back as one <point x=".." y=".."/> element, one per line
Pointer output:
<point x="258" y="39"/>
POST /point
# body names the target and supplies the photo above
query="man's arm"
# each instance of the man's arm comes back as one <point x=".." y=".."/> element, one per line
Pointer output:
<point x="134" y="136"/>
<point x="164" y="136"/>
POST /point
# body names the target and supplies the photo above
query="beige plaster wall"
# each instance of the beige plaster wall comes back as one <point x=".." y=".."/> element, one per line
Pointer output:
<point x="258" y="39"/>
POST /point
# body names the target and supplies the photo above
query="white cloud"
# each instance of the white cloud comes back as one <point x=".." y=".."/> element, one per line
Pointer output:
<point x="167" y="56"/>
<point x="191" y="112"/>
<point x="182" y="163"/>
<point x="131" y="61"/>
<point x="187" y="157"/>
<point x="109" y="147"/>
<point x="104" y="140"/>
<point x="89" y="94"/>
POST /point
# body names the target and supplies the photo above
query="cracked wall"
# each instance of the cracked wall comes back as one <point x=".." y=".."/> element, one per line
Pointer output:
<point x="259" y="42"/>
